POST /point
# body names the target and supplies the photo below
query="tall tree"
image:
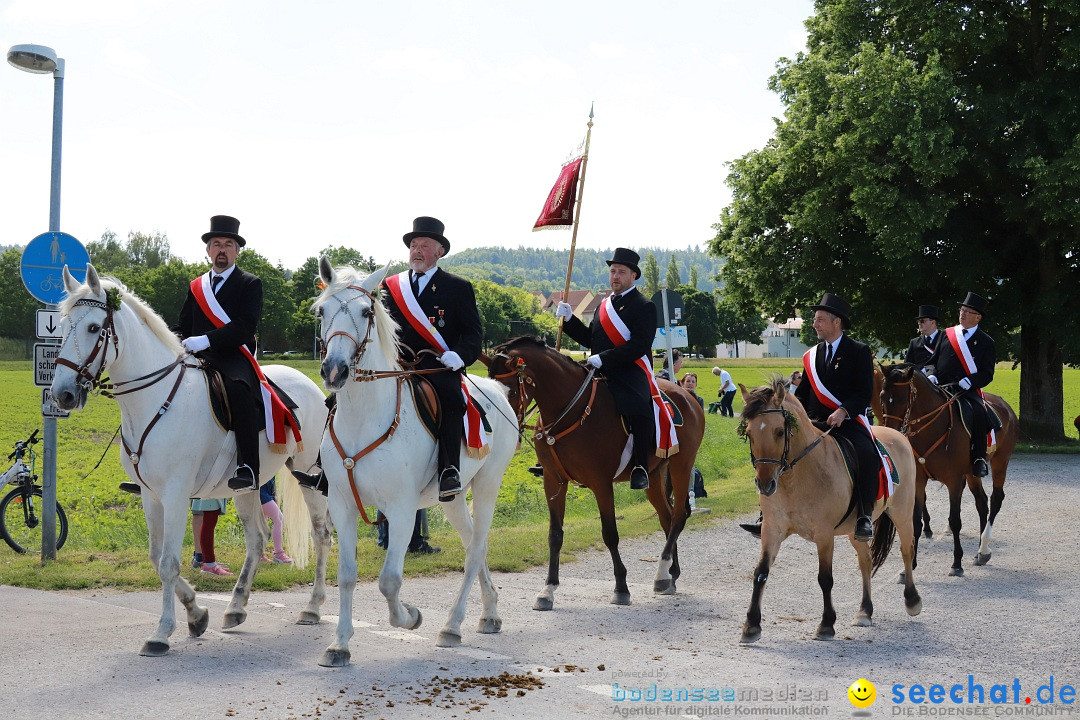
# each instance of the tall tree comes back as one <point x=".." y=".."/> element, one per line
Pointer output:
<point x="927" y="149"/>
<point x="699" y="317"/>
<point x="735" y="324"/>
<point x="651" y="272"/>
<point x="693" y="277"/>
<point x="17" y="306"/>
<point x="672" y="279"/>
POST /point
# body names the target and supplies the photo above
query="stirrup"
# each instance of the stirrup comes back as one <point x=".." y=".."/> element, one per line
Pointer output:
<point x="449" y="484"/>
<point x="243" y="484"/>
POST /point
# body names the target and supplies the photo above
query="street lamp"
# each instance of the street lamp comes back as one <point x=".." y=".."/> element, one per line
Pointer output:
<point x="42" y="60"/>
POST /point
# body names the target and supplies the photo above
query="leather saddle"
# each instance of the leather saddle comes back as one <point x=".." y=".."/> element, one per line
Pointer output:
<point x="219" y="399"/>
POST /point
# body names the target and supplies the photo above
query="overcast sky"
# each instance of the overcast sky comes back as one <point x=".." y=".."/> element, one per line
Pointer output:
<point x="319" y="123"/>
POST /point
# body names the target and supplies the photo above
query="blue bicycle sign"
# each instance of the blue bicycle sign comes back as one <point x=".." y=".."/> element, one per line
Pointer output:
<point x="43" y="263"/>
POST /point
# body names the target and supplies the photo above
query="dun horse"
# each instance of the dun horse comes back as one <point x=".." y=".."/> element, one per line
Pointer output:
<point x="378" y="451"/>
<point x="579" y="440"/>
<point x="175" y="448"/>
<point x="931" y="422"/>
<point x="805" y="490"/>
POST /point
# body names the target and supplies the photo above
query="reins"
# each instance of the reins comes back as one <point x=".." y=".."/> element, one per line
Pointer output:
<point x="909" y="426"/>
<point x="93" y="381"/>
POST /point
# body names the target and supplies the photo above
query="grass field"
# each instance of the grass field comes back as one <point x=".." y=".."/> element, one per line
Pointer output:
<point x="107" y="539"/>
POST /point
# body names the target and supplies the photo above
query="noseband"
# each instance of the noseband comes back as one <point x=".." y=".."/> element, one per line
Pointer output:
<point x="86" y="379"/>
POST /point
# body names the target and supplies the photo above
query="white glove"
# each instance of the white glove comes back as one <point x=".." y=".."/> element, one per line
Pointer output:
<point x="716" y="371"/>
<point x="451" y="360"/>
<point x="564" y="311"/>
<point x="965" y="383"/>
<point x="594" y="360"/>
<point x="932" y="378"/>
<point x="196" y="343"/>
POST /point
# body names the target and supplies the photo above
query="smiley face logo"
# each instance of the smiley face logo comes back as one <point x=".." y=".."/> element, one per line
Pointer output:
<point x="862" y="693"/>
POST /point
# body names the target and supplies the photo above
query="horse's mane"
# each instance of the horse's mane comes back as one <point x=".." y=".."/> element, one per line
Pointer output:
<point x="143" y="312"/>
<point x="534" y="342"/>
<point x="386" y="327"/>
<point x="762" y="396"/>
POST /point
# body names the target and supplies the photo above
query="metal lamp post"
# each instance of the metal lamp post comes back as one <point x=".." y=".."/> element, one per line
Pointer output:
<point x="42" y="60"/>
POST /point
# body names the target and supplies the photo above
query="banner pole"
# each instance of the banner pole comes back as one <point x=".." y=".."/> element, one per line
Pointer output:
<point x="577" y="218"/>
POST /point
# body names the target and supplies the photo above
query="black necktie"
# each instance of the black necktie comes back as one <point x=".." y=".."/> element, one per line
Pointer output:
<point x="415" y="284"/>
<point x="215" y="281"/>
<point x="828" y="355"/>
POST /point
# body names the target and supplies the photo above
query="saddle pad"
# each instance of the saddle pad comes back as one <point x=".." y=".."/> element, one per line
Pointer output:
<point x="994" y="422"/>
<point x="847" y="450"/>
<point x="429" y="415"/>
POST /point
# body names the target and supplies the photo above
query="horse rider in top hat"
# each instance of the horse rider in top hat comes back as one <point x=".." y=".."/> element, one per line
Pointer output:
<point x="966" y="357"/>
<point x="239" y="295"/>
<point x="629" y="384"/>
<point x="440" y="324"/>
<point x="922" y="347"/>
<point x="838" y="380"/>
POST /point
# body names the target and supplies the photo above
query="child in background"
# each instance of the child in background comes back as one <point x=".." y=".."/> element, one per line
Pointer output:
<point x="272" y="512"/>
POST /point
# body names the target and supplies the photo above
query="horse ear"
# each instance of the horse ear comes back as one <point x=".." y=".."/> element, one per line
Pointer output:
<point x="326" y="270"/>
<point x="70" y="283"/>
<point x="92" y="280"/>
<point x="781" y="391"/>
<point x="374" y="280"/>
<point x="745" y="394"/>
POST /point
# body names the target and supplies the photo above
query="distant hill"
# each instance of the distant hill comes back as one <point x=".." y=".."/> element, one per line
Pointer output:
<point x="544" y="270"/>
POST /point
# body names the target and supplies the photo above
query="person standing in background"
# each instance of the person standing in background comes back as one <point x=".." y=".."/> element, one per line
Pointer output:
<point x="727" y="392"/>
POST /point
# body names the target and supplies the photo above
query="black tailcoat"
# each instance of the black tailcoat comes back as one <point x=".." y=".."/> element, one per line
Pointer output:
<point x="241" y="296"/>
<point x="921" y="351"/>
<point x="949" y="369"/>
<point x="627" y="381"/>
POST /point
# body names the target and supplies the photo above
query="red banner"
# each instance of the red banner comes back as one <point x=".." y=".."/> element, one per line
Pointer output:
<point x="559" y="208"/>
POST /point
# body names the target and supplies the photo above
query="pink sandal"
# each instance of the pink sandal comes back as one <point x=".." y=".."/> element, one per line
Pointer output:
<point x="282" y="559"/>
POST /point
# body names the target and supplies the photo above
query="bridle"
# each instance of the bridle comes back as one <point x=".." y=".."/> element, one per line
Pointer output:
<point x="526" y="402"/>
<point x="369" y="313"/>
<point x="89" y="381"/>
<point x="783" y="461"/>
<point x="911" y="427"/>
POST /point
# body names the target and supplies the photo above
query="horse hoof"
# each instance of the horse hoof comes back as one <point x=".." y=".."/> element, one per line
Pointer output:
<point x="863" y="621"/>
<point x="957" y="572"/>
<point x="419" y="620"/>
<point x="489" y="626"/>
<point x="915" y="608"/>
<point x="620" y="598"/>
<point x="981" y="559"/>
<point x="154" y="648"/>
<point x="335" y="658"/>
<point x="308" y="618"/>
<point x="448" y="639"/>
<point x="232" y="619"/>
<point x="198" y="626"/>
<point x="824" y="633"/>
<point x="928" y="534"/>
<point x="750" y="635"/>
<point x="543" y="603"/>
<point x="664" y="587"/>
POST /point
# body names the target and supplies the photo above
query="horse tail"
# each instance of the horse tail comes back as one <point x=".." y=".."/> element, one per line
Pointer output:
<point x="298" y="540"/>
<point x="884" y="534"/>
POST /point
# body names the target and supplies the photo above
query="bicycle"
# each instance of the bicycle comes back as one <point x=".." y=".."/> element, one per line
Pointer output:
<point x="20" y="522"/>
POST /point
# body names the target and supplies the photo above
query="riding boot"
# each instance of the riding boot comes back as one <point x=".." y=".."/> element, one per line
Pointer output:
<point x="864" y="526"/>
<point x="133" y="488"/>
<point x="753" y="528"/>
<point x="537" y="470"/>
<point x="313" y="481"/>
<point x="247" y="437"/>
<point x="449" y="458"/>
<point x="642" y="428"/>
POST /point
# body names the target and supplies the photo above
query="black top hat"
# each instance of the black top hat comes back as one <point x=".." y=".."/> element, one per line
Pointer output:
<point x="927" y="311"/>
<point x="837" y="306"/>
<point x="427" y="227"/>
<point x="976" y="303"/>
<point x="626" y="257"/>
<point x="224" y="226"/>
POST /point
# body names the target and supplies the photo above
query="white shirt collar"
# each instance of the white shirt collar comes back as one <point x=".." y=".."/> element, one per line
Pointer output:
<point x="224" y="276"/>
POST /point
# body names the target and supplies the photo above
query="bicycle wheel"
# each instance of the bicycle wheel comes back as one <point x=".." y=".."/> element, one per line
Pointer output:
<point x="20" y="521"/>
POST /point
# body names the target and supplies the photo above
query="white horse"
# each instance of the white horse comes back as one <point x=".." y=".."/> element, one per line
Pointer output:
<point x="389" y="459"/>
<point x="181" y="452"/>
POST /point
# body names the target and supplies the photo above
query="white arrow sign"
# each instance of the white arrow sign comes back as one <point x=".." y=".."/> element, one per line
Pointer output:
<point x="48" y="324"/>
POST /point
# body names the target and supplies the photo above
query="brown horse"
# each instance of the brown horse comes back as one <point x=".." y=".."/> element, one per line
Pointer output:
<point x="578" y="439"/>
<point x="806" y="490"/>
<point x="924" y="413"/>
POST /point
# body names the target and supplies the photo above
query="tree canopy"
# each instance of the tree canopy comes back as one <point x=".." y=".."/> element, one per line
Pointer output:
<point x="927" y="149"/>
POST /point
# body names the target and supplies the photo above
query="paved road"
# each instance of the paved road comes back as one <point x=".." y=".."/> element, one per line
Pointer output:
<point x="1015" y="620"/>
